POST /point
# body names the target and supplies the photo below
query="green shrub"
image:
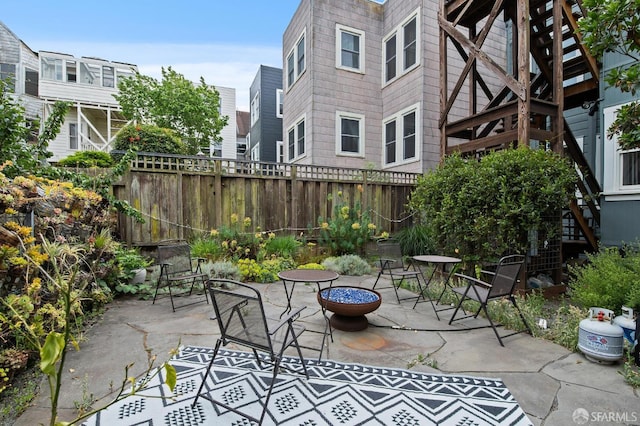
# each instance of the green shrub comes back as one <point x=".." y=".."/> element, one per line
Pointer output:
<point x="281" y="246"/>
<point x="223" y="269"/>
<point x="348" y="264"/>
<point x="86" y="159"/>
<point x="610" y="279"/>
<point x="486" y="209"/>
<point x="207" y="248"/>
<point x="416" y="240"/>
<point x="263" y="272"/>
<point x="148" y="138"/>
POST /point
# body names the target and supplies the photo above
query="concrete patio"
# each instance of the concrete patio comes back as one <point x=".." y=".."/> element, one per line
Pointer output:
<point x="549" y="382"/>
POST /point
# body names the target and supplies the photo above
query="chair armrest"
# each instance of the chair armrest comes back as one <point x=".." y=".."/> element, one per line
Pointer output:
<point x="473" y="280"/>
<point x="293" y="315"/>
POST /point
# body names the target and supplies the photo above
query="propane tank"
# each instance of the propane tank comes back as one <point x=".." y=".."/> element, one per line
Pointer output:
<point x="599" y="339"/>
<point x="627" y="323"/>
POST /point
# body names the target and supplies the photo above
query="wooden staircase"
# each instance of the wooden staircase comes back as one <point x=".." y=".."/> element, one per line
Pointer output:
<point x="552" y="72"/>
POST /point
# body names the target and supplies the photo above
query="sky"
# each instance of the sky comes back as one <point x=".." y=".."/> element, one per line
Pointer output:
<point x="223" y="41"/>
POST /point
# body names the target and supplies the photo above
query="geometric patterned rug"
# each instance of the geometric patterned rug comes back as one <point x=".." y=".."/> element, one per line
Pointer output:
<point x="335" y="394"/>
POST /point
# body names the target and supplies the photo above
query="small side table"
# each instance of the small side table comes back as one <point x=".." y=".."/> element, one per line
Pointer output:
<point x="438" y="263"/>
<point x="309" y="276"/>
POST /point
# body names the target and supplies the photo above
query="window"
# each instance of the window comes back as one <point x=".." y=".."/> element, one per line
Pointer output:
<point x="31" y="82"/>
<point x="401" y="140"/>
<point x="51" y="68"/>
<point x="71" y="71"/>
<point x="349" y="134"/>
<point x="73" y="136"/>
<point x="107" y="76"/>
<point x="279" y="103"/>
<point x="631" y="168"/>
<point x="403" y="40"/>
<point x="280" y="151"/>
<point x="390" y="59"/>
<point x="295" y="139"/>
<point x="255" y="108"/>
<point x="296" y="63"/>
<point x="89" y="73"/>
<point x="621" y="167"/>
<point x="349" y="49"/>
<point x="255" y="152"/>
<point x="8" y="75"/>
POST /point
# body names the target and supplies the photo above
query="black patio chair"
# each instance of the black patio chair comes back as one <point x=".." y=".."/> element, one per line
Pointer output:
<point x="393" y="266"/>
<point x="503" y="284"/>
<point x="242" y="320"/>
<point x="178" y="269"/>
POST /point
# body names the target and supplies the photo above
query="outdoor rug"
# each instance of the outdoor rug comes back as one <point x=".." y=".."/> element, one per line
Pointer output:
<point x="335" y="394"/>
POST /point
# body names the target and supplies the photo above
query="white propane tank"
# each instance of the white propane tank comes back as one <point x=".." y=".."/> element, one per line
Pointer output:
<point x="627" y="323"/>
<point x="598" y="338"/>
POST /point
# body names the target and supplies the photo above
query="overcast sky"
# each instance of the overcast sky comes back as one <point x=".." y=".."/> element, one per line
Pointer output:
<point x="223" y="41"/>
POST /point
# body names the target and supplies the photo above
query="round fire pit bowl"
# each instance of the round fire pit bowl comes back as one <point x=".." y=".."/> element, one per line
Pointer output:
<point x="349" y="306"/>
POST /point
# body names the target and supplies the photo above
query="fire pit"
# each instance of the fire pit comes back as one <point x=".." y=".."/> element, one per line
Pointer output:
<point x="349" y="306"/>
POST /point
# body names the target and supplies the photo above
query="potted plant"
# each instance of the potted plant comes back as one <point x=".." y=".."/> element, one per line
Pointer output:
<point x="132" y="265"/>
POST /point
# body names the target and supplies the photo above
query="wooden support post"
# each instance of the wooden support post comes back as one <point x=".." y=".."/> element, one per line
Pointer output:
<point x="524" y="99"/>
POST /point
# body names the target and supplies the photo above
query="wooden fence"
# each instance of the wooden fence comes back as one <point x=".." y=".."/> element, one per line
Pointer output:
<point x="181" y="197"/>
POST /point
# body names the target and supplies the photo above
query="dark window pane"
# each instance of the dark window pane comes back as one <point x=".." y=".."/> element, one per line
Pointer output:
<point x="350" y="50"/>
<point x="301" y="138"/>
<point x="409" y="136"/>
<point x="31" y="82"/>
<point x="350" y="135"/>
<point x="410" y="44"/>
<point x="291" y="142"/>
<point x="631" y="168"/>
<point x="300" y="56"/>
<point x="390" y="59"/>
<point x="290" y="69"/>
<point x="390" y="142"/>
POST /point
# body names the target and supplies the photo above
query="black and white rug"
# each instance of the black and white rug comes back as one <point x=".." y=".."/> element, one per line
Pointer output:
<point x="335" y="394"/>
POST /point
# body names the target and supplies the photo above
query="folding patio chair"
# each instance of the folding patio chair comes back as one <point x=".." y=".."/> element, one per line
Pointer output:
<point x="503" y="284"/>
<point x="242" y="320"/>
<point x="177" y="268"/>
<point x="392" y="265"/>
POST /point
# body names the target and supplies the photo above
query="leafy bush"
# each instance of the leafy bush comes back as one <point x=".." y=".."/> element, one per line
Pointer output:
<point x="237" y="241"/>
<point x="488" y="208"/>
<point x="347" y="231"/>
<point x="282" y="246"/>
<point x="416" y="240"/>
<point x="609" y="279"/>
<point x="347" y="264"/>
<point x="263" y="272"/>
<point x="148" y="138"/>
<point x="206" y="248"/>
<point x="87" y="159"/>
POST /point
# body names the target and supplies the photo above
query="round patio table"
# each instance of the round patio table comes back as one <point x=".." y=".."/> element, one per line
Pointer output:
<point x="291" y="277"/>
<point x="439" y="263"/>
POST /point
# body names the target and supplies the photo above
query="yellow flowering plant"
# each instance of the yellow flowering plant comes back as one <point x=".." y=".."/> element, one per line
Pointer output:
<point x="347" y="231"/>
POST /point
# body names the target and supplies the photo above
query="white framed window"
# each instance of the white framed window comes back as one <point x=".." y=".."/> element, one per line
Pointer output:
<point x="279" y="102"/>
<point x="255" y="108"/>
<point x="401" y="48"/>
<point x="621" y="167"/>
<point x="280" y="151"/>
<point x="401" y="136"/>
<point x="71" y="71"/>
<point x="51" y="68"/>
<point x="73" y="136"/>
<point x="350" y="134"/>
<point x="350" y="44"/>
<point x="296" y="60"/>
<point x="296" y="139"/>
<point x="8" y="75"/>
<point x="255" y="152"/>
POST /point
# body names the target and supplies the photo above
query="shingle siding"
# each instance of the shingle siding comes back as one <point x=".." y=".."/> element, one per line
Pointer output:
<point x="325" y="88"/>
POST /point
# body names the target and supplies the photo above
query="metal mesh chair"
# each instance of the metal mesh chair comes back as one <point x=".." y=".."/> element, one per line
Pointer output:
<point x="242" y="320"/>
<point x="392" y="265"/>
<point x="178" y="269"/>
<point x="503" y="284"/>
